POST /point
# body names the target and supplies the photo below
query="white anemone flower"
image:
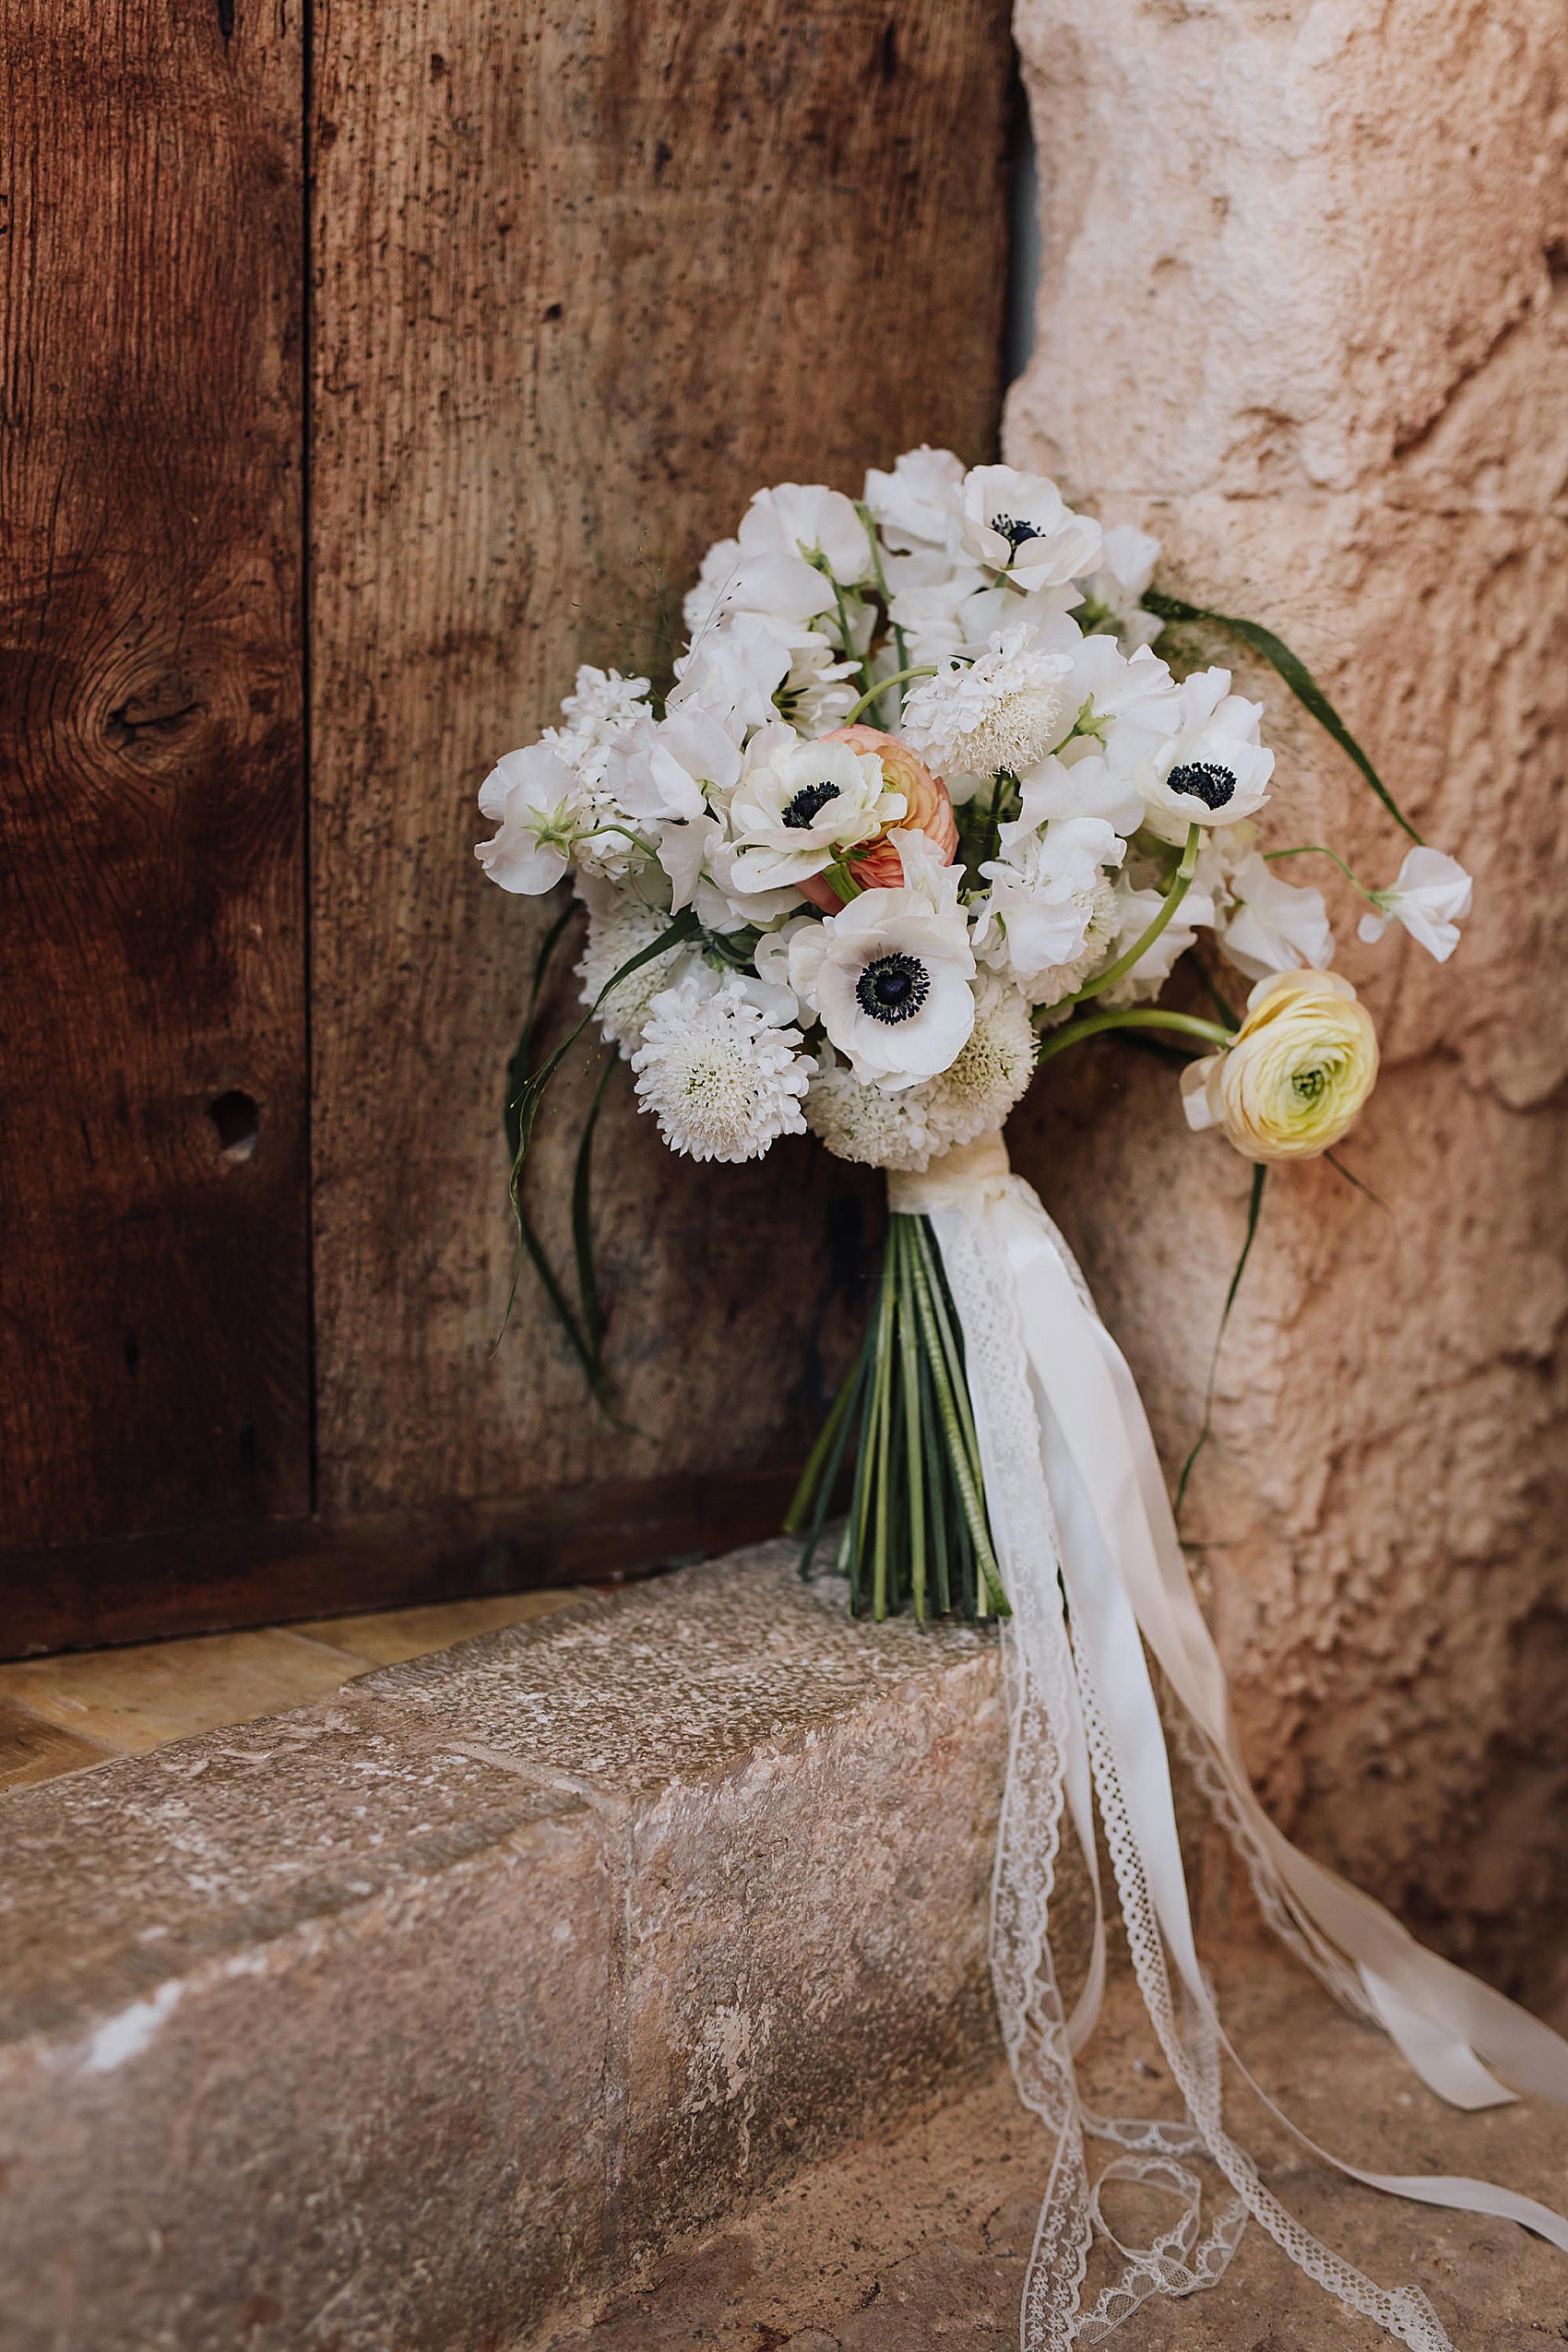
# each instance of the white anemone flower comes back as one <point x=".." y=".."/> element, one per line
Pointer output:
<point x="1004" y="711"/>
<point x="806" y="520"/>
<point x="920" y="502"/>
<point x="1273" y="926"/>
<point x="723" y="1081"/>
<point x="695" y="856"/>
<point x="1431" y="894"/>
<point x="1045" y="892"/>
<point x="1020" y="524"/>
<point x="798" y="805"/>
<point x="865" y="1124"/>
<point x="542" y="808"/>
<point x="978" y="1089"/>
<point x="1211" y="769"/>
<point x="889" y="975"/>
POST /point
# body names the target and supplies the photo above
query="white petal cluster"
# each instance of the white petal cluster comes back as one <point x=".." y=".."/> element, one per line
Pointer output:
<point x="1001" y="713"/>
<point x="723" y="1081"/>
<point x="886" y="883"/>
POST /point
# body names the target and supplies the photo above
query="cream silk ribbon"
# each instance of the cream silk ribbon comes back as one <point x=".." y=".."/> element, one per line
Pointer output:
<point x="1096" y="1580"/>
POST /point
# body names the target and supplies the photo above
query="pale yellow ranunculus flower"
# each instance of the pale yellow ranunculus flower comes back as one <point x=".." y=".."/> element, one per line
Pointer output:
<point x="1295" y="1075"/>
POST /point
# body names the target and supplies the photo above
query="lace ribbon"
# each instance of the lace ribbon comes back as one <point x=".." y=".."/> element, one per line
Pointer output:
<point x="1094" y="1570"/>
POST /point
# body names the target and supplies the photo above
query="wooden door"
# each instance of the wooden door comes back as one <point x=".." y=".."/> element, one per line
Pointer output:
<point x="579" y="274"/>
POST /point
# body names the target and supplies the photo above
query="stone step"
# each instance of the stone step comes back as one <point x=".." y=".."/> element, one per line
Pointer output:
<point x="918" y="2237"/>
<point x="398" y="2020"/>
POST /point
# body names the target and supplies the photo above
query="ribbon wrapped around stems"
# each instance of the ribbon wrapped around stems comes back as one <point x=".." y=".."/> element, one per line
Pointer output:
<point x="1093" y="1571"/>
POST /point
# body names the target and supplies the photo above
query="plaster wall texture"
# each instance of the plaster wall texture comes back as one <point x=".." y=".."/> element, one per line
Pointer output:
<point x="1304" y="313"/>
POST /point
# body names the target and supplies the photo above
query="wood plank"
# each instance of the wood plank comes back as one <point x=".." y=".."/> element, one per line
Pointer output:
<point x="153" y="1272"/>
<point x="33" y="1750"/>
<point x="133" y="1700"/>
<point x="82" y="1596"/>
<point x="590" y="271"/>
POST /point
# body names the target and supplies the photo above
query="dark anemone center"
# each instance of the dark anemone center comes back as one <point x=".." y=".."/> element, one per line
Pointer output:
<point x="800" y="812"/>
<point x="1015" y="532"/>
<point x="893" y="988"/>
<point x="1200" y="780"/>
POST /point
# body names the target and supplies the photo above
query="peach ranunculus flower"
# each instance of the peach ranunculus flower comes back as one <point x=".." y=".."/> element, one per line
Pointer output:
<point x="1295" y="1075"/>
<point x="926" y="810"/>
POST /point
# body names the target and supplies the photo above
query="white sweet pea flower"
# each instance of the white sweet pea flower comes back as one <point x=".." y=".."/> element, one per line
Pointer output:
<point x="713" y="595"/>
<point x="818" y="525"/>
<point x="920" y="502"/>
<point x="1273" y="926"/>
<point x="734" y="671"/>
<point x="667" y="766"/>
<point x="1430" y="895"/>
<point x="1020" y="524"/>
<point x="1118" y="691"/>
<point x="933" y="613"/>
<point x="542" y="807"/>
<point x="1004" y="711"/>
<point x="1126" y="567"/>
<point x="723" y="1080"/>
<point x="889" y="977"/>
<point x="798" y="805"/>
<point x="1085" y="785"/>
<point x="1210" y="769"/>
<point x="694" y="854"/>
<point x="1133" y="911"/>
<point x="1046" y="890"/>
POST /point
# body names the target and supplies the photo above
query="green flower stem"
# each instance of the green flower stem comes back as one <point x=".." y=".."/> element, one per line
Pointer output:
<point x="1186" y="1024"/>
<point x="874" y="693"/>
<point x="861" y="662"/>
<point x="953" y="1409"/>
<point x="883" y="1415"/>
<point x="1181" y="883"/>
<point x="842" y="879"/>
<point x="1317" y="850"/>
<point x="908" y="1364"/>
<point x="797" y="1516"/>
<point x="863" y="511"/>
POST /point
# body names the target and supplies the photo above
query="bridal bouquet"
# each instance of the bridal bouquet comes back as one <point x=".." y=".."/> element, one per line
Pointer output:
<point x="920" y="809"/>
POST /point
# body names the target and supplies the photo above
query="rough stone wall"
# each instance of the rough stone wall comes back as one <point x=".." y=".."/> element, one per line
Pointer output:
<point x="1303" y="311"/>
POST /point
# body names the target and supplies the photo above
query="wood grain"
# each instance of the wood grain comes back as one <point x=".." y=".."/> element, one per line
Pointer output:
<point x="588" y="273"/>
<point x="153" y="1272"/>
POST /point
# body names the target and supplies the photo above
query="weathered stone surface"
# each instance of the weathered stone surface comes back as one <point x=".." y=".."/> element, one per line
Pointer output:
<point x="1303" y="311"/>
<point x="304" y="2047"/>
<point x="807" y="1807"/>
<point x="391" y="2021"/>
<point x="919" y="2239"/>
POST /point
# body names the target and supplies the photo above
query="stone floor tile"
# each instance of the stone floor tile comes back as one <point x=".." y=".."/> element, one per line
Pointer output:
<point x="390" y="1637"/>
<point x="31" y="1749"/>
<point x="134" y="1699"/>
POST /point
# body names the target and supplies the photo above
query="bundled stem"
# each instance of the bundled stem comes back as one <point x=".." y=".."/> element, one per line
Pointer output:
<point x="916" y="1534"/>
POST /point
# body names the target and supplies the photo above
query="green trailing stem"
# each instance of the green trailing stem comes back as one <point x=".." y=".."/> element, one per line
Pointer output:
<point x="1180" y="883"/>
<point x="874" y="694"/>
<point x="1135" y="1018"/>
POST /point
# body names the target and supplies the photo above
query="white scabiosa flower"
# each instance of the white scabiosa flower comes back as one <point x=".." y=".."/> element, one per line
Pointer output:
<point x="1272" y="925"/>
<point x="723" y="1081"/>
<point x="1432" y="893"/>
<point x="1210" y="770"/>
<point x="867" y="1124"/>
<point x="1004" y="711"/>
<point x="619" y="927"/>
<point x="889" y="975"/>
<point x="1021" y="524"/>
<point x="975" y="1093"/>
